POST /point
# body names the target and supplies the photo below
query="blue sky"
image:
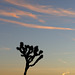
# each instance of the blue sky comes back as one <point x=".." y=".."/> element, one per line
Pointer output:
<point x="50" y="24"/>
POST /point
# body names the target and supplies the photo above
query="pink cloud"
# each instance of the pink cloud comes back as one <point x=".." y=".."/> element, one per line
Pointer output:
<point x="40" y="20"/>
<point x="4" y="48"/>
<point x="43" y="8"/>
<point x="18" y="13"/>
<point x="34" y="25"/>
<point x="73" y="39"/>
<point x="11" y="14"/>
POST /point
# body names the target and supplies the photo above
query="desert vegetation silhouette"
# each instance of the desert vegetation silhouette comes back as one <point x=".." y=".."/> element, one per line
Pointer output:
<point x="29" y="53"/>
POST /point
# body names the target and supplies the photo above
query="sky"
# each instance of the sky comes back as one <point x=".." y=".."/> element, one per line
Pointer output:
<point x="50" y="24"/>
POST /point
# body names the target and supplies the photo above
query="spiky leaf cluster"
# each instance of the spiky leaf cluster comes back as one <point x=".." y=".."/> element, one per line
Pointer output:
<point x="30" y="52"/>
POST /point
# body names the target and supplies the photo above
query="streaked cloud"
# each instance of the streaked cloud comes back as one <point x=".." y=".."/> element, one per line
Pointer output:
<point x="65" y="73"/>
<point x="40" y="20"/>
<point x="34" y="25"/>
<point x="64" y="53"/>
<point x="4" y="48"/>
<point x="11" y="14"/>
<point x="69" y="53"/>
<point x="18" y="13"/>
<point x="62" y="61"/>
<point x="24" y="13"/>
<point x="44" y="8"/>
<point x="73" y="39"/>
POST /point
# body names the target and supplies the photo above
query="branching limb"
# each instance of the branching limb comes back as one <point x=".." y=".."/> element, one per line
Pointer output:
<point x="29" y="52"/>
<point x="36" y="61"/>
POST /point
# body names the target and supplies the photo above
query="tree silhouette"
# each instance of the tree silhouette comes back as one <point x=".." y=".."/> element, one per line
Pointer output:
<point x="29" y="53"/>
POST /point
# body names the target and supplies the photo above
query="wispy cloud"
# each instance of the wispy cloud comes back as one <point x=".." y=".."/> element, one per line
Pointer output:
<point x="18" y="13"/>
<point x="44" y="9"/>
<point x="62" y="61"/>
<point x="64" y="53"/>
<point x="40" y="20"/>
<point x="69" y="53"/>
<point x="73" y="39"/>
<point x="34" y="25"/>
<point x="11" y="14"/>
<point x="4" y="48"/>
<point x="65" y="73"/>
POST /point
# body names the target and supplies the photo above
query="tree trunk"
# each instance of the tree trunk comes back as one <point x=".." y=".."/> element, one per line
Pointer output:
<point x="26" y="68"/>
<point x="25" y="72"/>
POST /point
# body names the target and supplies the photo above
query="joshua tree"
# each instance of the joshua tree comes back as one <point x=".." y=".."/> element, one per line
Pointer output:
<point x="29" y="53"/>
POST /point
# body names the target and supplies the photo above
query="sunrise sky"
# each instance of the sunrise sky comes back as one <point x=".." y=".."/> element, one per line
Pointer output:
<point x="50" y="24"/>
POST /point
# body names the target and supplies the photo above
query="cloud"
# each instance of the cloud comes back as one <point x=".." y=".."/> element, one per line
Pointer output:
<point x="40" y="20"/>
<point x="46" y="9"/>
<point x="73" y="39"/>
<point x="34" y="25"/>
<point x="65" y="73"/>
<point x="68" y="12"/>
<point x="64" y="53"/>
<point x="69" y="53"/>
<point x="62" y="61"/>
<point x="24" y="13"/>
<point x="4" y="48"/>
<point x="11" y="14"/>
<point x="18" y="13"/>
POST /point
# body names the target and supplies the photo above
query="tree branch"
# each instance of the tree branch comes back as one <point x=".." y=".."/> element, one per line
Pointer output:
<point x="41" y="56"/>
